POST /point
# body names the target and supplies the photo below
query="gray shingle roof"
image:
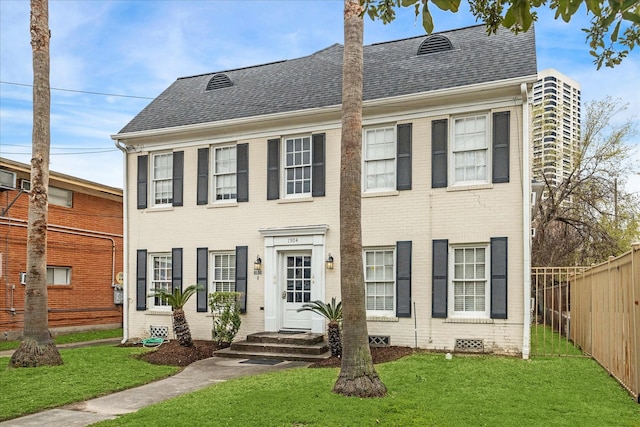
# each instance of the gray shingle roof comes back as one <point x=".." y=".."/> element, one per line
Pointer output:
<point x="390" y="69"/>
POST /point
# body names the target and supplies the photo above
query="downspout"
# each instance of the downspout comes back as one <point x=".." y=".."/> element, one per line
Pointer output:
<point x="125" y="245"/>
<point x="526" y="222"/>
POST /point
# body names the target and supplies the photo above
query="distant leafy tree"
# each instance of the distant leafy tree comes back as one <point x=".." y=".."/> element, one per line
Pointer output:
<point x="333" y="313"/>
<point x="614" y="31"/>
<point x="589" y="216"/>
<point x="177" y="300"/>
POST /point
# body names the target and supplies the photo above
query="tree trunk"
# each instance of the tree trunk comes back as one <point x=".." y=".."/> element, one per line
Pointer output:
<point x="181" y="328"/>
<point x="335" y="341"/>
<point x="37" y="347"/>
<point x="357" y="374"/>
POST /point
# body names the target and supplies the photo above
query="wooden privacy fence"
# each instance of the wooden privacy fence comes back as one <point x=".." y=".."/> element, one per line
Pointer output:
<point x="605" y="316"/>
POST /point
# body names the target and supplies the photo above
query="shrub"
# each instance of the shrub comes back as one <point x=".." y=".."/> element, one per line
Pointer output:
<point x="225" y="308"/>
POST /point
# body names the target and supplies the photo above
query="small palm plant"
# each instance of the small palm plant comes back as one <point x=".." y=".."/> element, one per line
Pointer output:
<point x="333" y="313"/>
<point x="177" y="300"/>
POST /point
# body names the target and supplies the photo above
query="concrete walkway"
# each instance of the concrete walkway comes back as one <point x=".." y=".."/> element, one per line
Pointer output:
<point x="194" y="377"/>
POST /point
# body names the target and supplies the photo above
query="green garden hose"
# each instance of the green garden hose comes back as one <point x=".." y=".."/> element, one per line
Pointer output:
<point x="152" y="342"/>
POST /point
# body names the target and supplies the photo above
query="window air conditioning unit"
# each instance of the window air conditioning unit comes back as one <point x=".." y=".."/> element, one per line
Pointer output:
<point x="7" y="180"/>
<point x="25" y="185"/>
<point x="23" y="278"/>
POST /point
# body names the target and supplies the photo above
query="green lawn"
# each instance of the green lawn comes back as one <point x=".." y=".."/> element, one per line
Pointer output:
<point x="72" y="337"/>
<point x="424" y="390"/>
<point x="87" y="372"/>
<point x="546" y="341"/>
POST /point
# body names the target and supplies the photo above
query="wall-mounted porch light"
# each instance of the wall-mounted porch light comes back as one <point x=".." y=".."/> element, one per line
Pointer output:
<point x="329" y="262"/>
<point x="257" y="266"/>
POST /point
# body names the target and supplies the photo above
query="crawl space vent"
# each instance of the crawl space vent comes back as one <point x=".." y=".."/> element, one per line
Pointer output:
<point x="160" y="332"/>
<point x="469" y="345"/>
<point x="379" y="340"/>
<point x="219" y="81"/>
<point x="434" y="44"/>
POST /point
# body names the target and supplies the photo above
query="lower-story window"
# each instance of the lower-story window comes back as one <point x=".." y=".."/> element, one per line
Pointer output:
<point x="224" y="272"/>
<point x="379" y="276"/>
<point x="161" y="269"/>
<point x="58" y="275"/>
<point x="470" y="284"/>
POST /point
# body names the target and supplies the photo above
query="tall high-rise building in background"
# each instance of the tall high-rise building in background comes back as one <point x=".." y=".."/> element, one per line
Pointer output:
<point x="556" y="126"/>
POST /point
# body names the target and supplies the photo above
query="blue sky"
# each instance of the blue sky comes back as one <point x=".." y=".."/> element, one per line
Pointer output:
<point x="137" y="48"/>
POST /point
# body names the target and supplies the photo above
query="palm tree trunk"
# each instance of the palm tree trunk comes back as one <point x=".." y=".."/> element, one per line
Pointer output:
<point x="357" y="374"/>
<point x="181" y="328"/>
<point x="335" y="340"/>
<point x="37" y="347"/>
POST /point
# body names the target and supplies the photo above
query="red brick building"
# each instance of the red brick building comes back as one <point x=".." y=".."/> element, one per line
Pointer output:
<point x="84" y="252"/>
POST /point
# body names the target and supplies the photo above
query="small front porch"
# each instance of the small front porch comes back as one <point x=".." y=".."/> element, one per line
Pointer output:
<point x="298" y="346"/>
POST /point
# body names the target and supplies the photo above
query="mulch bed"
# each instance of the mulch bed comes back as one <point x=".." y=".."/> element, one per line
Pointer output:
<point x="173" y="354"/>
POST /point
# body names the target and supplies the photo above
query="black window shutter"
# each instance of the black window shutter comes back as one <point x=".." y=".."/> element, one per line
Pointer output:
<point x="403" y="279"/>
<point x="141" y="280"/>
<point x="202" y="192"/>
<point x="273" y="169"/>
<point x="176" y="269"/>
<point x="404" y="157"/>
<point x="178" y="177"/>
<point x="242" y="172"/>
<point x="439" y="153"/>
<point x="143" y="162"/>
<point x="499" y="278"/>
<point x="440" y="279"/>
<point x="501" y="132"/>
<point x="202" y="269"/>
<point x="241" y="275"/>
<point x="318" y="168"/>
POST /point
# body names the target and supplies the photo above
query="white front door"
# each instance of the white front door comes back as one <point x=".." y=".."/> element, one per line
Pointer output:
<point x="296" y="281"/>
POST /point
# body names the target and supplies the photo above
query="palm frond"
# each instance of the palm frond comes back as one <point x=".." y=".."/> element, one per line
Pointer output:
<point x="178" y="298"/>
<point x="331" y="311"/>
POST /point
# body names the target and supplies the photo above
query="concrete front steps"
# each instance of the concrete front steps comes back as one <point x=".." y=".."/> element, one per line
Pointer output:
<point x="300" y="346"/>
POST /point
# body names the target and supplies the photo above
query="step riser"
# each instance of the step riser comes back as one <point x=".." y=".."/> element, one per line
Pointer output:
<point x="270" y="356"/>
<point x="285" y="339"/>
<point x="262" y="348"/>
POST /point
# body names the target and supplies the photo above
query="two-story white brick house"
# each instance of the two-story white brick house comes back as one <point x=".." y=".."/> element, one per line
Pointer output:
<point x="228" y="167"/>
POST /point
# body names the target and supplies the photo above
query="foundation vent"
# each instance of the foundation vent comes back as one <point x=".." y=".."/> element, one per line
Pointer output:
<point x="159" y="332"/>
<point x="469" y="345"/>
<point x="379" y="340"/>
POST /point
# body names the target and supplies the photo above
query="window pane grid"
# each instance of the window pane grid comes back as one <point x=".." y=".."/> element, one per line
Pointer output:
<point x="162" y="178"/>
<point x="380" y="156"/>
<point x="224" y="273"/>
<point x="224" y="173"/>
<point x="161" y="276"/>
<point x="298" y="165"/>
<point x="58" y="275"/>
<point x="469" y="279"/>
<point x="470" y="149"/>
<point x="298" y="272"/>
<point x="379" y="280"/>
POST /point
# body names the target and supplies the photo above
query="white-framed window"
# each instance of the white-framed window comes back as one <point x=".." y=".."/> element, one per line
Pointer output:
<point x="297" y="166"/>
<point x="60" y="197"/>
<point x="380" y="159"/>
<point x="224" y="272"/>
<point x="470" y="149"/>
<point x="161" y="269"/>
<point x="58" y="275"/>
<point x="162" y="179"/>
<point x="224" y="173"/>
<point x="380" y="282"/>
<point x="469" y="290"/>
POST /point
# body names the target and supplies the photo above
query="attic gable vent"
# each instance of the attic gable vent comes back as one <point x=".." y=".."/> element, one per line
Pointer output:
<point x="219" y="81"/>
<point x="434" y="44"/>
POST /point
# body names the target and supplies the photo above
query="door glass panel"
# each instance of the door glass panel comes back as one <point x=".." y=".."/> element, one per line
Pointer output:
<point x="298" y="278"/>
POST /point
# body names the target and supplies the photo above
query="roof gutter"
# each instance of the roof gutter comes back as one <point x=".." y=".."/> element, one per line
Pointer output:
<point x="125" y="245"/>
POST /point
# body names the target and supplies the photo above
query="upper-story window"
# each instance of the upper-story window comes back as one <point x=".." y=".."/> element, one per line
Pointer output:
<point x="60" y="197"/>
<point x="380" y="159"/>
<point x="224" y="173"/>
<point x="162" y="179"/>
<point x="297" y="166"/>
<point x="470" y="149"/>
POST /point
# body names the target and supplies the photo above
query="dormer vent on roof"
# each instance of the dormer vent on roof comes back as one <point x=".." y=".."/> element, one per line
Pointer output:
<point x="218" y="81"/>
<point x="434" y="44"/>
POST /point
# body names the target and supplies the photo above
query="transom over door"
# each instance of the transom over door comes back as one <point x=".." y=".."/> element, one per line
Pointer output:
<point x="296" y="290"/>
